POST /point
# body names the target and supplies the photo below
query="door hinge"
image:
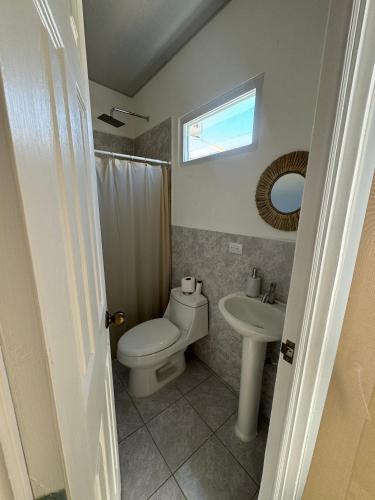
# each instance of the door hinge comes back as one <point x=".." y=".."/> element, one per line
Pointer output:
<point x="287" y="349"/>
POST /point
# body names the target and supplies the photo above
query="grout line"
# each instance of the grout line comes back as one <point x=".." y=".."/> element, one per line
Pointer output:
<point x="233" y="455"/>
<point x="197" y="385"/>
<point x="162" y="484"/>
<point x="235" y="458"/>
<point x="225" y="421"/>
<point x="153" y="440"/>
<point x="230" y="388"/>
<point x="162" y="456"/>
<point x="201" y="381"/>
<point x="173" y="472"/>
<point x="214" y="375"/>
<point x="193" y="453"/>
<point x="180" y="487"/>
<point x="160" y="412"/>
<point x="199" y="415"/>
<point x="131" y="433"/>
<point x="204" y="420"/>
<point x="218" y="376"/>
<point x="239" y="463"/>
<point x="157" y="447"/>
<point x="211" y="433"/>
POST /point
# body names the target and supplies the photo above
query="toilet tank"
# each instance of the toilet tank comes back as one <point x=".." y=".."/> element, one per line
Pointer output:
<point x="189" y="313"/>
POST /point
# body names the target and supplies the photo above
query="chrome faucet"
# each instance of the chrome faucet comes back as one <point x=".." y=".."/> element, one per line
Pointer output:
<point x="270" y="295"/>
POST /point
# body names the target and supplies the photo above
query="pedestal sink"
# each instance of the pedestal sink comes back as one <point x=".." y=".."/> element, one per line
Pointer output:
<point x="258" y="323"/>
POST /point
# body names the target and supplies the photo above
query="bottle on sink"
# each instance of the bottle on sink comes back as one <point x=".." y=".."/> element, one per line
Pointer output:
<point x="253" y="284"/>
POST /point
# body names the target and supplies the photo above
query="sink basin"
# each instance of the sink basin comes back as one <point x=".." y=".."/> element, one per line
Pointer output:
<point x="258" y="324"/>
<point x="251" y="318"/>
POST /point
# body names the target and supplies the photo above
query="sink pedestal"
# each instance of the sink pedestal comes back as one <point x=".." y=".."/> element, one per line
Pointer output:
<point x="253" y="356"/>
<point x="258" y="323"/>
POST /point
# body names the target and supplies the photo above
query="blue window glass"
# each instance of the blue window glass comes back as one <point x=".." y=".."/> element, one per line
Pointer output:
<point x="227" y="127"/>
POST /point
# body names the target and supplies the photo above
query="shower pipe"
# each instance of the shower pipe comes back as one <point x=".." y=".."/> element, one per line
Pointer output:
<point x="126" y="112"/>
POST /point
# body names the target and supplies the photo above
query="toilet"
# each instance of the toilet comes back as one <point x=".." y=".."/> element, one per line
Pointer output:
<point x="154" y="350"/>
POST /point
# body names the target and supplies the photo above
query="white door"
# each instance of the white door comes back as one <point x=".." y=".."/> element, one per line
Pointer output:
<point x="44" y="75"/>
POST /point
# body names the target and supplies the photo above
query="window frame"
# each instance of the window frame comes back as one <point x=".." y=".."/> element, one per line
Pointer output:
<point x="255" y="83"/>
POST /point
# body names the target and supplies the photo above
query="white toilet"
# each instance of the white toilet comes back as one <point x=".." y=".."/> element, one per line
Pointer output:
<point x="154" y="350"/>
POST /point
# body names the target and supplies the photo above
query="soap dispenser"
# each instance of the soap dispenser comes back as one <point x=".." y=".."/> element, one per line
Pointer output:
<point x="253" y="284"/>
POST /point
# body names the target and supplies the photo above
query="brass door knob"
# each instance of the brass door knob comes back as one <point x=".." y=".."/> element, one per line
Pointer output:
<point x="117" y="319"/>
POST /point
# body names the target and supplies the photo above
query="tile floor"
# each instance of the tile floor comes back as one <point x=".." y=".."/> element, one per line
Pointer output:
<point x="180" y="444"/>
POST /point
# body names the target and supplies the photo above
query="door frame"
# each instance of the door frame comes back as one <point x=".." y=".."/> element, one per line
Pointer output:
<point x="293" y="434"/>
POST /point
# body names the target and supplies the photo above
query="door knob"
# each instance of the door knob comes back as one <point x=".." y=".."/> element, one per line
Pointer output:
<point x="117" y="319"/>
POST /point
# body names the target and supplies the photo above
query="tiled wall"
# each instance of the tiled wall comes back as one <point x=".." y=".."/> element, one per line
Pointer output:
<point x="205" y="254"/>
<point x="155" y="143"/>
<point x="113" y="143"/>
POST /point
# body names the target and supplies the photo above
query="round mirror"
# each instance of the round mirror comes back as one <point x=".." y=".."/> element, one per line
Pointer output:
<point x="279" y="192"/>
<point x="286" y="193"/>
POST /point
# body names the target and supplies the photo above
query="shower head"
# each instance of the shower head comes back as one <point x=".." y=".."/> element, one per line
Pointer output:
<point x="110" y="120"/>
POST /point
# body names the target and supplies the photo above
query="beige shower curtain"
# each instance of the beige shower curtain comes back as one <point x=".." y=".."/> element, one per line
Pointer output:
<point x="135" y="207"/>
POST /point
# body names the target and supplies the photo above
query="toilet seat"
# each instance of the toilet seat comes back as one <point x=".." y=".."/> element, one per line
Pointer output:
<point x="148" y="337"/>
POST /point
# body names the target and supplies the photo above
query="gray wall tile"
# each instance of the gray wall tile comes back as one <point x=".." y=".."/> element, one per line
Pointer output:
<point x="113" y="143"/>
<point x="205" y="254"/>
<point x="156" y="142"/>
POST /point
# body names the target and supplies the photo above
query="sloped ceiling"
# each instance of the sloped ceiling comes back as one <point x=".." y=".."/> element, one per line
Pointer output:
<point x="129" y="41"/>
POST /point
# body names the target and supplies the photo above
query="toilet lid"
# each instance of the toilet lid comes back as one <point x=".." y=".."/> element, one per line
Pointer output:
<point x="148" y="337"/>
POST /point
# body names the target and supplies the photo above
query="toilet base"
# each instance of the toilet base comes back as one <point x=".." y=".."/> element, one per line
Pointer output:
<point x="144" y="381"/>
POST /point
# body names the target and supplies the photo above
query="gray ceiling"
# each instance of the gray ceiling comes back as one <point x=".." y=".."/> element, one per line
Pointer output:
<point x="129" y="41"/>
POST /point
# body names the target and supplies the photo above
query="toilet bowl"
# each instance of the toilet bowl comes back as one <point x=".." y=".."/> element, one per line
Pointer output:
<point x="154" y="350"/>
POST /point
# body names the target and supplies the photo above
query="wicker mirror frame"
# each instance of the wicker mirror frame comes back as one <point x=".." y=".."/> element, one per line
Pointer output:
<point x="291" y="163"/>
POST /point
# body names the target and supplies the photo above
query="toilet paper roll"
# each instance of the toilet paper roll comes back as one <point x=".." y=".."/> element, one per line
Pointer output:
<point x="188" y="284"/>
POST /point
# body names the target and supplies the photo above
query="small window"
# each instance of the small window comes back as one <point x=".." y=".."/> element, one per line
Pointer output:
<point x="228" y="123"/>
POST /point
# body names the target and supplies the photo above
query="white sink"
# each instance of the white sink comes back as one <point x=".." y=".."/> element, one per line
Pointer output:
<point x="258" y="323"/>
<point x="251" y="318"/>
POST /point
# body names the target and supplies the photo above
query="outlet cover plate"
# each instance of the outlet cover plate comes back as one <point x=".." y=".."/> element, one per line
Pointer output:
<point x="235" y="248"/>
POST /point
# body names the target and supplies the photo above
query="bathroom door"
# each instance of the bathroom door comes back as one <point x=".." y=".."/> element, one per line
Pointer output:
<point x="45" y="87"/>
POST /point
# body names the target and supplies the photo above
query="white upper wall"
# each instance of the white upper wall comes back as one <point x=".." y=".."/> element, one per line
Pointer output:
<point x="102" y="100"/>
<point x="282" y="39"/>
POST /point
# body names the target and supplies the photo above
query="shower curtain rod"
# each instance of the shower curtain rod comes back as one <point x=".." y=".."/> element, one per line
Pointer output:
<point x="131" y="157"/>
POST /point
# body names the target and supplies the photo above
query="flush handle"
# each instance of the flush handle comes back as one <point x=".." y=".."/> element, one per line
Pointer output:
<point x="117" y="319"/>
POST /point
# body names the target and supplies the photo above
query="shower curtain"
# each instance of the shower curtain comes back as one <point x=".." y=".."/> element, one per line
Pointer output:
<point x="135" y="207"/>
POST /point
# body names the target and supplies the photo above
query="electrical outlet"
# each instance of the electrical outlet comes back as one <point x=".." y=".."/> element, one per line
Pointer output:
<point x="235" y="248"/>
